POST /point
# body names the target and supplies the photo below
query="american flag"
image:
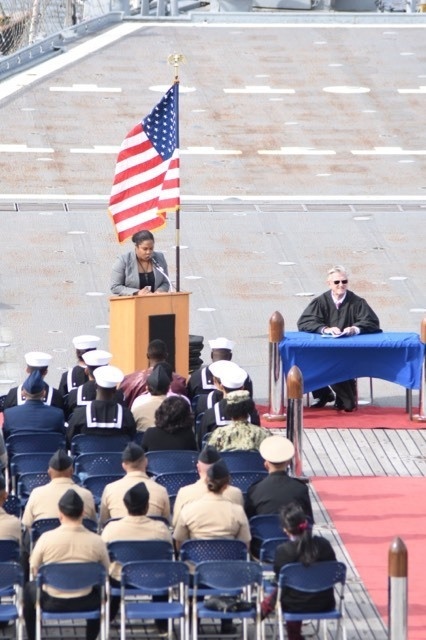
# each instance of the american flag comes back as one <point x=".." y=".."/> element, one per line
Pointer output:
<point x="146" y="181"/>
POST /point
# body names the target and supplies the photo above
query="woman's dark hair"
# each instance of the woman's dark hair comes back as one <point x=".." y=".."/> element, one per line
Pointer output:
<point x="174" y="414"/>
<point x="215" y="485"/>
<point x="294" y="521"/>
<point x="239" y="410"/>
<point x="141" y="236"/>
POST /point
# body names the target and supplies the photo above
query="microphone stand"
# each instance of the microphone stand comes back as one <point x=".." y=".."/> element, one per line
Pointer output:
<point x="161" y="270"/>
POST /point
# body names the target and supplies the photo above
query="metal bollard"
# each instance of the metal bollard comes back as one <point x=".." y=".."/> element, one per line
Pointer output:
<point x="276" y="378"/>
<point x="421" y="416"/>
<point x="295" y="417"/>
<point x="397" y="604"/>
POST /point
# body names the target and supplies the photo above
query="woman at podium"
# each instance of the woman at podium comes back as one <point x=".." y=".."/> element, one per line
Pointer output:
<point x="141" y="271"/>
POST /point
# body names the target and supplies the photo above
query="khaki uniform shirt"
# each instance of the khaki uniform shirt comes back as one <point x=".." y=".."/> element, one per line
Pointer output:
<point x="144" y="408"/>
<point x="68" y="543"/>
<point x="134" y="528"/>
<point x="10" y="527"/>
<point x="199" y="489"/>
<point x="212" y="516"/>
<point x="43" y="501"/>
<point x="238" y="435"/>
<point x="112" y="505"/>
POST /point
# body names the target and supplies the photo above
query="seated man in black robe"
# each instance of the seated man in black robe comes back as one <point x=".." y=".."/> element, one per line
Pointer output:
<point x="338" y="312"/>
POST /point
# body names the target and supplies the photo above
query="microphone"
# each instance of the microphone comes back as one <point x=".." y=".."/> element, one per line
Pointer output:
<point x="161" y="270"/>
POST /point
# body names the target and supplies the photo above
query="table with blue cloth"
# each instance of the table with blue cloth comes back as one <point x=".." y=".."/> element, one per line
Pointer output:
<point x="393" y="356"/>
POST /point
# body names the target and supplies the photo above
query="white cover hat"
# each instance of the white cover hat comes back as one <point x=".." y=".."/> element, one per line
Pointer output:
<point x="37" y="359"/>
<point x="85" y="342"/>
<point x="230" y="374"/>
<point x="97" y="358"/>
<point x="276" y="449"/>
<point x="221" y="343"/>
<point x="108" y="377"/>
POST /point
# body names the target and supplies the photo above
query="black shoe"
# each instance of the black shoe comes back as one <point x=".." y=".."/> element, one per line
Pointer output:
<point x="338" y="405"/>
<point x="319" y="403"/>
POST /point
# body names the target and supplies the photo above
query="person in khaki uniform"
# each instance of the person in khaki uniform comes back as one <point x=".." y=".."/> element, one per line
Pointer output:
<point x="208" y="456"/>
<point x="43" y="501"/>
<point x="70" y="542"/>
<point x="145" y="405"/>
<point x="134" y="464"/>
<point x="10" y="526"/>
<point x="213" y="515"/>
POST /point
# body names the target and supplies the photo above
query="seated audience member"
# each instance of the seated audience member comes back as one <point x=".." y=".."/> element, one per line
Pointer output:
<point x="308" y="549"/>
<point x="338" y="312"/>
<point x="43" y="500"/>
<point x="134" y="526"/>
<point x="240" y="433"/>
<point x="35" y="361"/>
<point x="82" y="395"/>
<point x="269" y="495"/>
<point x="70" y="542"/>
<point x="145" y="406"/>
<point x="76" y="375"/>
<point x="134" y="464"/>
<point x="135" y="384"/>
<point x="34" y="414"/>
<point x="207" y="457"/>
<point x="3" y="453"/>
<point x="103" y="416"/>
<point x="228" y="377"/>
<point x="10" y="526"/>
<point x="174" y="426"/>
<point x="201" y="380"/>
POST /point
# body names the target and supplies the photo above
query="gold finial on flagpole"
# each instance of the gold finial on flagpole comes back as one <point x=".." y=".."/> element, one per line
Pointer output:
<point x="176" y="59"/>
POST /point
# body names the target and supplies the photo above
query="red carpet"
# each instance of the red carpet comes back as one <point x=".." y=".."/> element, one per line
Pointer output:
<point x="365" y="417"/>
<point x="369" y="513"/>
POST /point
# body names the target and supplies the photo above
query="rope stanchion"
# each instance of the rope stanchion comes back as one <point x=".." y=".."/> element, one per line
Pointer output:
<point x="295" y="417"/>
<point x="276" y="378"/>
<point x="421" y="416"/>
<point x="398" y="600"/>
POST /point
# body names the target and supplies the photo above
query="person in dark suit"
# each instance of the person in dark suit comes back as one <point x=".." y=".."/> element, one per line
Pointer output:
<point x="35" y="361"/>
<point x="308" y="549"/>
<point x="34" y="414"/>
<point x="338" y="313"/>
<point x="269" y="495"/>
<point x="174" y="427"/>
<point x="142" y="270"/>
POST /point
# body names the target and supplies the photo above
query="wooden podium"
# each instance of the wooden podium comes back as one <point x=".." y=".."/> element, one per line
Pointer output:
<point x="136" y="320"/>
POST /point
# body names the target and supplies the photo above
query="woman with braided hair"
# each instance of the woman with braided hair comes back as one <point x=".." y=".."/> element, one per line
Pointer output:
<point x="303" y="547"/>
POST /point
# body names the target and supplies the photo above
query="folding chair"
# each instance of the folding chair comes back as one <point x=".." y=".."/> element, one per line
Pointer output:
<point x="244" y="479"/>
<point x="155" y="578"/>
<point x="174" y="481"/>
<point x="200" y="550"/>
<point x="11" y="586"/>
<point x="96" y="464"/>
<point x="10" y="551"/>
<point x="311" y="579"/>
<point x="27" y="482"/>
<point x="264" y="527"/>
<point x="12" y="506"/>
<point x="32" y="442"/>
<point x="35" y="462"/>
<point x="228" y="578"/>
<point x="71" y="576"/>
<point x="97" y="484"/>
<point x="87" y="443"/>
<point x="42" y="525"/>
<point x="241" y="460"/>
<point x="171" y="461"/>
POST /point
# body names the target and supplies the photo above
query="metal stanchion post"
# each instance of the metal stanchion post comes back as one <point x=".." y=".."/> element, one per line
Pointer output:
<point x="421" y="416"/>
<point x="398" y="604"/>
<point x="295" y="417"/>
<point x="276" y="378"/>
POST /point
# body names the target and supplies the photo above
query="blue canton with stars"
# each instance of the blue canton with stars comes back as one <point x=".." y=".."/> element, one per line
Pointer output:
<point x="161" y="124"/>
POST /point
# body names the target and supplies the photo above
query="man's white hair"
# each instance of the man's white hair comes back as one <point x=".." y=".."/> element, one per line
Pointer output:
<point x="337" y="269"/>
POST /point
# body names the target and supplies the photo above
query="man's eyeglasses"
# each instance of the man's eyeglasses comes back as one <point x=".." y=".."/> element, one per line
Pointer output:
<point x="340" y="281"/>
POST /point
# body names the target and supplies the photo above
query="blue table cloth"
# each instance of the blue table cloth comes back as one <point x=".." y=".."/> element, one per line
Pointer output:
<point x="396" y="357"/>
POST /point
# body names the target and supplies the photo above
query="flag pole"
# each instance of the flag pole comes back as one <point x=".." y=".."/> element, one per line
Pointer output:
<point x="176" y="59"/>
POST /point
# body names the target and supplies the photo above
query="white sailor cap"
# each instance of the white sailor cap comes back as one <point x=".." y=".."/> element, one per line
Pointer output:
<point x="276" y="449"/>
<point x="37" y="359"/>
<point x="97" y="358"/>
<point x="108" y="377"/>
<point x="221" y="343"/>
<point x="230" y="374"/>
<point x="85" y="342"/>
